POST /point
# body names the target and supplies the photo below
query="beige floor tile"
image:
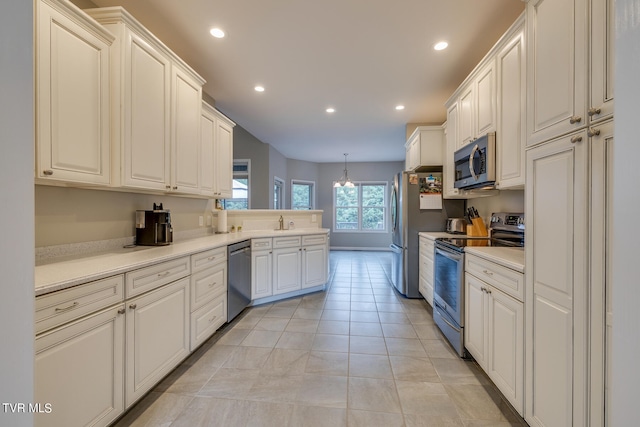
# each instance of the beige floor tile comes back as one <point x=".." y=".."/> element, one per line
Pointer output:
<point x="257" y="338"/>
<point x="389" y="317"/>
<point x="390" y="307"/>
<point x="155" y="409"/>
<point x="283" y="312"/>
<point x="186" y="379"/>
<point x="230" y="383"/>
<point x="291" y="302"/>
<point x="295" y="340"/>
<point x="234" y="336"/>
<point x="427" y="331"/>
<point x="338" y="297"/>
<point x="307" y="313"/>
<point x="398" y="330"/>
<point x="247" y="358"/>
<point x="337" y="305"/>
<point x="368" y="345"/>
<point x="317" y="416"/>
<point x="367" y="329"/>
<point x="270" y="388"/>
<point x="373" y="394"/>
<point x="486" y="423"/>
<point x="361" y="291"/>
<point x="211" y="355"/>
<point x="479" y="402"/>
<point x="327" y="342"/>
<point x="413" y="369"/>
<point x="405" y="347"/>
<point x="283" y="361"/>
<point x="364" y="316"/>
<point x="328" y="363"/>
<point x="362" y="298"/>
<point x="302" y="325"/>
<point x="439" y="349"/>
<point x="370" y="366"/>
<point x="337" y="290"/>
<point x="369" y="419"/>
<point x="271" y="324"/>
<point x="336" y="327"/>
<point x="268" y="414"/>
<point x="247" y="322"/>
<point x="425" y="398"/>
<point x="323" y="390"/>
<point x="425" y="317"/>
<point x="341" y="315"/>
<point x="363" y="306"/>
<point x="433" y="420"/>
<point x="209" y="411"/>
<point x="458" y="371"/>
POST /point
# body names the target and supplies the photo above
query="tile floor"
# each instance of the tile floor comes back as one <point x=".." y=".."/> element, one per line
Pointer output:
<point x="358" y="354"/>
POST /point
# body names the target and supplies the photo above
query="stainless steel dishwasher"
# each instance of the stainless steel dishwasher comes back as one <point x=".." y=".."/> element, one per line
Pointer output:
<point x="239" y="278"/>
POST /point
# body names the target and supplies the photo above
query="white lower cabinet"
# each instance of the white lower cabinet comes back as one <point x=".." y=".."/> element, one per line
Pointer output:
<point x="494" y="334"/>
<point x="314" y="265"/>
<point x="286" y="270"/>
<point x="425" y="277"/>
<point x="207" y="319"/>
<point x="261" y="274"/>
<point x="157" y="336"/>
<point x="79" y="370"/>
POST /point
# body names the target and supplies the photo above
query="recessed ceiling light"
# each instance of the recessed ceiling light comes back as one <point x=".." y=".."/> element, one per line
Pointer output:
<point x="440" y="45"/>
<point x="331" y="110"/>
<point x="399" y="107"/>
<point x="259" y="88"/>
<point x="217" y="33"/>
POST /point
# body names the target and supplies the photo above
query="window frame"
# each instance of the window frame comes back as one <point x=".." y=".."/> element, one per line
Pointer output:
<point x="385" y="208"/>
<point x="246" y="175"/>
<point x="312" y="196"/>
<point x="280" y="181"/>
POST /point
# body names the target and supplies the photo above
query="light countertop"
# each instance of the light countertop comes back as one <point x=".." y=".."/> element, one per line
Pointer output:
<point x="64" y="273"/>
<point x="433" y="235"/>
<point x="512" y="258"/>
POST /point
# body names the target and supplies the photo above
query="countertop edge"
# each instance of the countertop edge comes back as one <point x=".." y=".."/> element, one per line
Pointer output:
<point x="512" y="258"/>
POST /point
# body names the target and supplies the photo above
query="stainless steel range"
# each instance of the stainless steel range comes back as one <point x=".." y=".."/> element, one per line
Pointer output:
<point x="507" y="229"/>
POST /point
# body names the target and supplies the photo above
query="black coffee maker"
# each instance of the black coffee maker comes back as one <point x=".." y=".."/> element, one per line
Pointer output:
<point x="153" y="228"/>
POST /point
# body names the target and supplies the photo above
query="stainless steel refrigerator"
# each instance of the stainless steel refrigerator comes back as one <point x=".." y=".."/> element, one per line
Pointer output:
<point x="407" y="220"/>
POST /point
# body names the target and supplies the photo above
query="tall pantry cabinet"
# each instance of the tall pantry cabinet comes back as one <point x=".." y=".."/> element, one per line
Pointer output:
<point x="569" y="99"/>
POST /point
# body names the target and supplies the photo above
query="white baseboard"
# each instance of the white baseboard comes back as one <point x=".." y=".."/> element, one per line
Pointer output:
<point x="359" y="248"/>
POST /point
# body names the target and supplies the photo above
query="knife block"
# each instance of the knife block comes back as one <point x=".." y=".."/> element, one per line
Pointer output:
<point x="477" y="228"/>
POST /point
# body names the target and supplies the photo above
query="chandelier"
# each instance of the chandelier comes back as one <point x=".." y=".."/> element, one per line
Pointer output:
<point x="344" y="179"/>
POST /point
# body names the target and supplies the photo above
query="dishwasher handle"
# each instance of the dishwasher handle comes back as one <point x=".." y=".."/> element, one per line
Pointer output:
<point x="240" y="251"/>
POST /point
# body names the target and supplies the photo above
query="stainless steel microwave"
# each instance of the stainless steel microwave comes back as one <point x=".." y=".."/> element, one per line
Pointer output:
<point x="475" y="163"/>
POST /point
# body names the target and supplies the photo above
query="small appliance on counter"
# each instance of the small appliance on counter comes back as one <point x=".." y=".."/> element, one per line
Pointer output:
<point x="456" y="226"/>
<point x="153" y="228"/>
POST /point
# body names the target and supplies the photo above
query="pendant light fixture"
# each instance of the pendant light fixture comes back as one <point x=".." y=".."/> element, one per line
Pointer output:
<point x="344" y="179"/>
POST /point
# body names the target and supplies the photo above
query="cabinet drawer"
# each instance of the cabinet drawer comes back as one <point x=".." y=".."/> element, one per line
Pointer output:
<point x="509" y="281"/>
<point x="206" y="284"/>
<point x="204" y="260"/>
<point x="315" y="239"/>
<point x="286" y="242"/>
<point x="63" y="306"/>
<point x="427" y="247"/>
<point x="207" y="319"/>
<point x="148" y="278"/>
<point x="260" y="244"/>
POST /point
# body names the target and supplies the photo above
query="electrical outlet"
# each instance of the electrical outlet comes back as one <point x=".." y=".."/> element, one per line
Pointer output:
<point x="314" y="218"/>
<point x="200" y="220"/>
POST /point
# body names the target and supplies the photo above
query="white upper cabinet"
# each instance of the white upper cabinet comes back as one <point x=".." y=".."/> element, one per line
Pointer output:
<point x="557" y="68"/>
<point x="466" y="116"/>
<point x="424" y="148"/>
<point x="156" y="101"/>
<point x="72" y="96"/>
<point x="602" y="59"/>
<point x="485" y="105"/>
<point x="223" y="173"/>
<point x="510" y="134"/>
<point x="207" y="147"/>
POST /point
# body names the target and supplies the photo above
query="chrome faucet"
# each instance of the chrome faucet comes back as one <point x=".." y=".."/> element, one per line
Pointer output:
<point x="281" y="221"/>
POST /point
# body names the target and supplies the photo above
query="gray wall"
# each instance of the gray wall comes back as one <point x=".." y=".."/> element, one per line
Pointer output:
<point x="301" y="170"/>
<point x="330" y="172"/>
<point x="277" y="167"/>
<point x="247" y="146"/>
<point x="17" y="253"/>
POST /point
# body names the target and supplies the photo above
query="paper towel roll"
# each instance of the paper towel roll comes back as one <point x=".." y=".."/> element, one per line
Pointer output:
<point x="222" y="221"/>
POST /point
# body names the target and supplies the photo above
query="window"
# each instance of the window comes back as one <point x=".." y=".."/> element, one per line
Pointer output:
<point x="361" y="208"/>
<point x="278" y="193"/>
<point x="302" y="195"/>
<point x="240" y="195"/>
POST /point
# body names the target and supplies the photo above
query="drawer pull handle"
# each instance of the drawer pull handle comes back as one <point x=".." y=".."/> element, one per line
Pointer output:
<point x="575" y="139"/>
<point x="211" y="258"/>
<point x="165" y="274"/>
<point x="212" y="319"/>
<point x="72" y="306"/>
<point x="487" y="272"/>
<point x="47" y="172"/>
<point x="575" y="119"/>
<point x="211" y="285"/>
<point x="133" y="306"/>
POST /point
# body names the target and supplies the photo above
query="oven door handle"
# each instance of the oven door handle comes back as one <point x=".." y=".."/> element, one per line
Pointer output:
<point x="453" y="256"/>
<point x="444" y="319"/>
<point x="471" y="156"/>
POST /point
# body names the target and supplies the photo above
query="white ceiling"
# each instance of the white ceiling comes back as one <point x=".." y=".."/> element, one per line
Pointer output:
<point x="361" y="57"/>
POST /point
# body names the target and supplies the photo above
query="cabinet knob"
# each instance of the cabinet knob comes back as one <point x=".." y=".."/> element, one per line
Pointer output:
<point x="168" y="187"/>
<point x="47" y="172"/>
<point x="576" y="138"/>
<point x="133" y="306"/>
<point x="593" y="132"/>
<point x="121" y="311"/>
<point x="175" y="188"/>
<point x="575" y="119"/>
<point x="593" y="111"/>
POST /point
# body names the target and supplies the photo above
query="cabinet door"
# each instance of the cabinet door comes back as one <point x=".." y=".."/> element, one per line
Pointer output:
<point x="314" y="265"/>
<point x="511" y="134"/>
<point x="146" y="111"/>
<point x="475" y="327"/>
<point x="157" y="336"/>
<point x="224" y="160"/>
<point x="485" y="88"/>
<point x="602" y="59"/>
<point x="506" y="346"/>
<point x="286" y="270"/>
<point x="186" y="114"/>
<point x="72" y="100"/>
<point x="466" y="126"/>
<point x="556" y="291"/>
<point x="451" y="144"/>
<point x="79" y="369"/>
<point x="557" y="64"/>
<point x="207" y="154"/>
<point x="261" y="274"/>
